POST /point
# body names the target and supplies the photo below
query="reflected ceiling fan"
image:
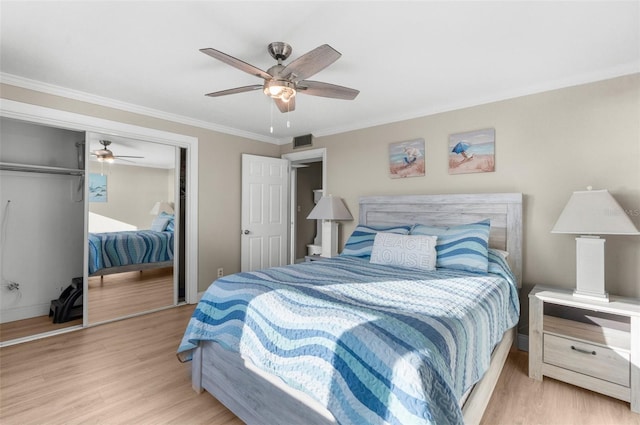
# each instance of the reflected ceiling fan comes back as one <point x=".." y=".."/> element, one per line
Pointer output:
<point x="281" y="82"/>
<point x="105" y="155"/>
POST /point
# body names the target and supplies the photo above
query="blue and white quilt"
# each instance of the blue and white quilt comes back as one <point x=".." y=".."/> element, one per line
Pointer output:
<point x="375" y="344"/>
<point x="114" y="249"/>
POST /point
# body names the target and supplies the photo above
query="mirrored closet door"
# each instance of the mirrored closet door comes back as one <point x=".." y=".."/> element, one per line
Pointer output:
<point x="132" y="227"/>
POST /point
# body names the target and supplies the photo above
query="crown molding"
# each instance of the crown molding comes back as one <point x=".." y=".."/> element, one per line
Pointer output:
<point x="575" y="80"/>
<point x="26" y="83"/>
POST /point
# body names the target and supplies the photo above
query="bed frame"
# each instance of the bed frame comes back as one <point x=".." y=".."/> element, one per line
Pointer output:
<point x="132" y="268"/>
<point x="257" y="397"/>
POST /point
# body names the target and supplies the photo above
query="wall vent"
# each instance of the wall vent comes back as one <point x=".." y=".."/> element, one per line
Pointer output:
<point x="302" y="141"/>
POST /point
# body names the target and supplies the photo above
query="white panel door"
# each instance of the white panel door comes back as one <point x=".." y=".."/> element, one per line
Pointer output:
<point x="264" y="212"/>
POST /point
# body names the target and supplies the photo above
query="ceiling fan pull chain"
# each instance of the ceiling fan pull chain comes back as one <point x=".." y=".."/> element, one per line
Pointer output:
<point x="271" y="116"/>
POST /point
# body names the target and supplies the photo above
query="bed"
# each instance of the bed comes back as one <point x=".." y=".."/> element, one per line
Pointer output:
<point x="118" y="252"/>
<point x="381" y="336"/>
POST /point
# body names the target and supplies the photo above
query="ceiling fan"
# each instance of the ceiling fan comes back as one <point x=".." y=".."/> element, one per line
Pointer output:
<point x="105" y="155"/>
<point x="281" y="82"/>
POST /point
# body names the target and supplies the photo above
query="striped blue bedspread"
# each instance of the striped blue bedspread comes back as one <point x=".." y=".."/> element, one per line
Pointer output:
<point x="375" y="344"/>
<point x="114" y="249"/>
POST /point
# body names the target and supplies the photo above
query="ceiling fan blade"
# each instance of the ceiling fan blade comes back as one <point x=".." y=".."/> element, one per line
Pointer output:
<point x="126" y="160"/>
<point x="285" y="107"/>
<point x="236" y="90"/>
<point x="127" y="156"/>
<point x="311" y="63"/>
<point x="236" y="63"/>
<point x="317" y="88"/>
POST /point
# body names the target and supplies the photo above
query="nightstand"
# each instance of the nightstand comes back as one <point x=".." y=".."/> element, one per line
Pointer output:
<point x="308" y="258"/>
<point x="591" y="344"/>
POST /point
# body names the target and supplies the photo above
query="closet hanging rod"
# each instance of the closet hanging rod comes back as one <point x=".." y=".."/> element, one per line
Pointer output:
<point x="8" y="166"/>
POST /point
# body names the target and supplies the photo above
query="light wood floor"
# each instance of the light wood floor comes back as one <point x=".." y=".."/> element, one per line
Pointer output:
<point x="123" y="294"/>
<point x="127" y="373"/>
<point x="117" y="295"/>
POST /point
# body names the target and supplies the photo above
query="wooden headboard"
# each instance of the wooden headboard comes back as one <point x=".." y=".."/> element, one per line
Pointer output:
<point x="503" y="209"/>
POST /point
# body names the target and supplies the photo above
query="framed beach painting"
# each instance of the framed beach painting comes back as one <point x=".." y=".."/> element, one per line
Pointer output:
<point x="406" y="159"/>
<point x="472" y="152"/>
<point x="97" y="188"/>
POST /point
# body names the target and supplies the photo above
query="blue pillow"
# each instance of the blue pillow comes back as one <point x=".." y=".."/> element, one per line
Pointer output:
<point x="464" y="247"/>
<point x="360" y="243"/>
<point x="170" y="224"/>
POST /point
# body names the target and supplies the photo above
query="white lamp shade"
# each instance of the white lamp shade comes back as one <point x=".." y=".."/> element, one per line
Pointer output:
<point x="330" y="208"/>
<point x="594" y="212"/>
<point x="161" y="206"/>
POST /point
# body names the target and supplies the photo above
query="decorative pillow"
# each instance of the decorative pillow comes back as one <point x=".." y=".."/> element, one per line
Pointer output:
<point x="171" y="224"/>
<point x="361" y="240"/>
<point x="418" y="251"/>
<point x="463" y="247"/>
<point x="498" y="265"/>
<point x="159" y="223"/>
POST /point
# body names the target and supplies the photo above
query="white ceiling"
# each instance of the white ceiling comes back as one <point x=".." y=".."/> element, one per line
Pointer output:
<point x="155" y="155"/>
<point x="408" y="59"/>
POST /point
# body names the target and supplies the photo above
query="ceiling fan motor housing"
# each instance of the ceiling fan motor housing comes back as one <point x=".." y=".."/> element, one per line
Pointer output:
<point x="279" y="50"/>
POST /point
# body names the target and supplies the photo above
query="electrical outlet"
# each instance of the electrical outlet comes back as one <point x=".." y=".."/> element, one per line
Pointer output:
<point x="220" y="272"/>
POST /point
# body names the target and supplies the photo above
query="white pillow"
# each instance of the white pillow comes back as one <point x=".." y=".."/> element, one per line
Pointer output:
<point x="417" y="251"/>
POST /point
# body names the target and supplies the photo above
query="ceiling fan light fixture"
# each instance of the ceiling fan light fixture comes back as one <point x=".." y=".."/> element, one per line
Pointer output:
<point x="106" y="157"/>
<point x="279" y="89"/>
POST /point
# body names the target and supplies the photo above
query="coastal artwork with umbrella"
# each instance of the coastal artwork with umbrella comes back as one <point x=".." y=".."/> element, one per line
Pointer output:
<point x="472" y="152"/>
<point x="406" y="159"/>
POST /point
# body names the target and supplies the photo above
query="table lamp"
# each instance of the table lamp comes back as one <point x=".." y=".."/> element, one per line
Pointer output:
<point x="591" y="213"/>
<point x="329" y="209"/>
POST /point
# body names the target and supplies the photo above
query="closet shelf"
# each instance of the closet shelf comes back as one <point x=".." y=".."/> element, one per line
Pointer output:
<point x="9" y="166"/>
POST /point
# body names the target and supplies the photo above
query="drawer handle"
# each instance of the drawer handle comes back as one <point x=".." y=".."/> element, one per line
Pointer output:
<point x="580" y="350"/>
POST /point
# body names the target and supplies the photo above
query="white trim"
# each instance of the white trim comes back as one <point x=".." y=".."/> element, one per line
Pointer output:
<point x="74" y="121"/>
<point x="40" y="336"/>
<point x="26" y="83"/>
<point x="626" y="69"/>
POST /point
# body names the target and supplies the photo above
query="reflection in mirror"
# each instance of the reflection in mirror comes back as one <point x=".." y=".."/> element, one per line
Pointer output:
<point x="131" y="224"/>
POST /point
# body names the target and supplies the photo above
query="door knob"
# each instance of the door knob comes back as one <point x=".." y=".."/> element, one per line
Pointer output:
<point x="246" y="232"/>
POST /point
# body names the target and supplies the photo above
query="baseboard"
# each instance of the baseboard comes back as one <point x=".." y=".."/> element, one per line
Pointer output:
<point x="24" y="312"/>
<point x="523" y="342"/>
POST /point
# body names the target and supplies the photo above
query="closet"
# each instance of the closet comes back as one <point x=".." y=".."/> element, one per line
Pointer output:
<point x="42" y="213"/>
<point x="44" y="207"/>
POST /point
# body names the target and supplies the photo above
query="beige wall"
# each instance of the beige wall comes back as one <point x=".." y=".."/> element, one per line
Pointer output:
<point x="547" y="146"/>
<point x="132" y="191"/>
<point x="219" y="176"/>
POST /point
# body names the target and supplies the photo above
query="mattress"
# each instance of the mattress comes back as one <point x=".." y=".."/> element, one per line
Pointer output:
<point x="373" y="343"/>
<point x="115" y="249"/>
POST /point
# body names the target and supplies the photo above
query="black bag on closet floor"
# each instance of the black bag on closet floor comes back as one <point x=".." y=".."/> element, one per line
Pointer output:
<point x="69" y="305"/>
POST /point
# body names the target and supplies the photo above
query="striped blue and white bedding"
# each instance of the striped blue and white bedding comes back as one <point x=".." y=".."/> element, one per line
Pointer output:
<point x="114" y="249"/>
<point x="375" y="344"/>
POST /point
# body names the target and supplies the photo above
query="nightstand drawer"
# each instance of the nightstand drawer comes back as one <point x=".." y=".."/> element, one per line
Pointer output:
<point x="589" y="359"/>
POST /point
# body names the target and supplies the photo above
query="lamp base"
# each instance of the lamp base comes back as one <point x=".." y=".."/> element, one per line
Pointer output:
<point x="590" y="268"/>
<point x="592" y="296"/>
<point x="329" y="239"/>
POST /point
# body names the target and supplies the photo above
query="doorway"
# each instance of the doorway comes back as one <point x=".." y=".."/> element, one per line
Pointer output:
<point x="307" y="169"/>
